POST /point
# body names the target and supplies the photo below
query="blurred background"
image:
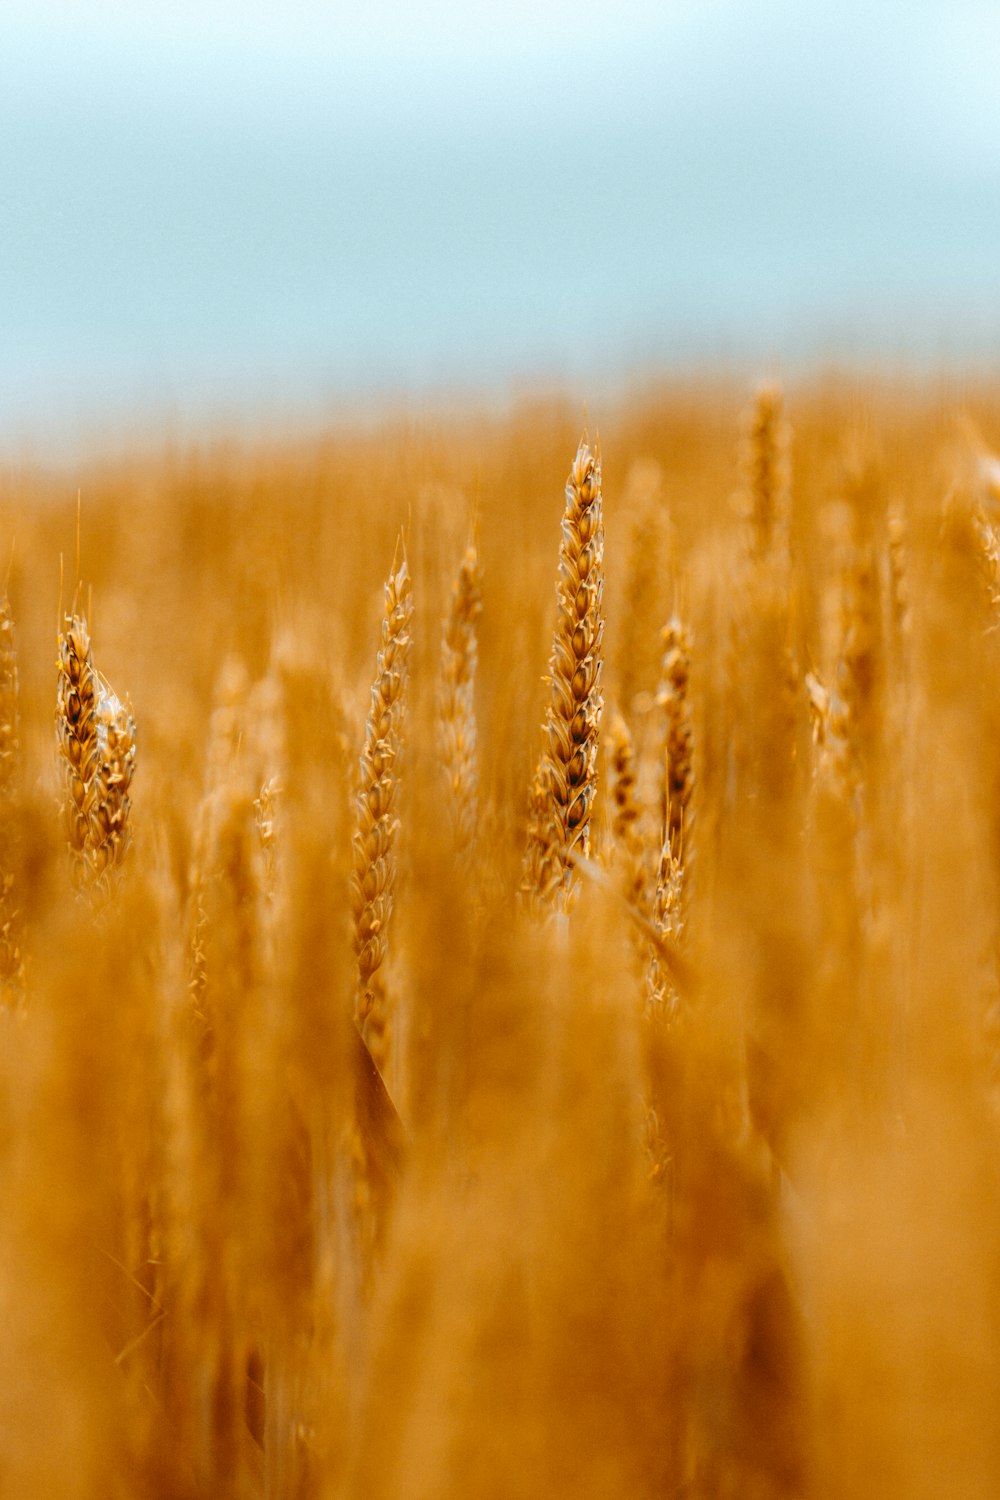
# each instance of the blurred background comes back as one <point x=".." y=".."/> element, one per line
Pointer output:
<point x="224" y="210"/>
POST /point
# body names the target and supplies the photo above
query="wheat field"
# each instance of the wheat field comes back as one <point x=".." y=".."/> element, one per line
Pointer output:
<point x="500" y="945"/>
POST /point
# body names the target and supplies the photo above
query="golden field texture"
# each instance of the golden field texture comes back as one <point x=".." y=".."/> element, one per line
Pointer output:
<point x="502" y="995"/>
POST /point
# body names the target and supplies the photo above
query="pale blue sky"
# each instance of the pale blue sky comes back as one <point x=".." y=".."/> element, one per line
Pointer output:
<point x="209" y="207"/>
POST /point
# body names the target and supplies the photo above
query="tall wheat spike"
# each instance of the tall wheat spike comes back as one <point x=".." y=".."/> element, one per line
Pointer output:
<point x="456" y="700"/>
<point x="373" y="877"/>
<point x="565" y="782"/>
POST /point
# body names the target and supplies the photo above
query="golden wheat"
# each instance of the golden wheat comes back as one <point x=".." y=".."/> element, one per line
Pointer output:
<point x="374" y="844"/>
<point x="690" y="1191"/>
<point x="565" y="781"/>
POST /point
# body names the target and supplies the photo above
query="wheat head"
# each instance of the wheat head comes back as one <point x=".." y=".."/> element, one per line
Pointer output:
<point x="373" y="876"/>
<point x="565" y="782"/>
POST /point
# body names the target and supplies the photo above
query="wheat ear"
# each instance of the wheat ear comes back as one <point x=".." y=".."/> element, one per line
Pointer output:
<point x="679" y="737"/>
<point x="678" y="784"/>
<point x="96" y="737"/>
<point x="563" y="790"/>
<point x="669" y="916"/>
<point x="76" y="731"/>
<point x="456" y="721"/>
<point x="373" y="877"/>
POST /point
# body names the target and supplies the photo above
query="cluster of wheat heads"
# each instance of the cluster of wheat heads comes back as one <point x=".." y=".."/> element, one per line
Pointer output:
<point x="397" y="1111"/>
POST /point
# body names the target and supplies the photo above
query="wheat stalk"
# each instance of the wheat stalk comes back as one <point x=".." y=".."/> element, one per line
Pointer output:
<point x="669" y="918"/>
<point x="678" y="785"/>
<point x="76" y="730"/>
<point x="563" y="790"/>
<point x="96" y="737"/>
<point x="679" y="737"/>
<point x="373" y="876"/>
